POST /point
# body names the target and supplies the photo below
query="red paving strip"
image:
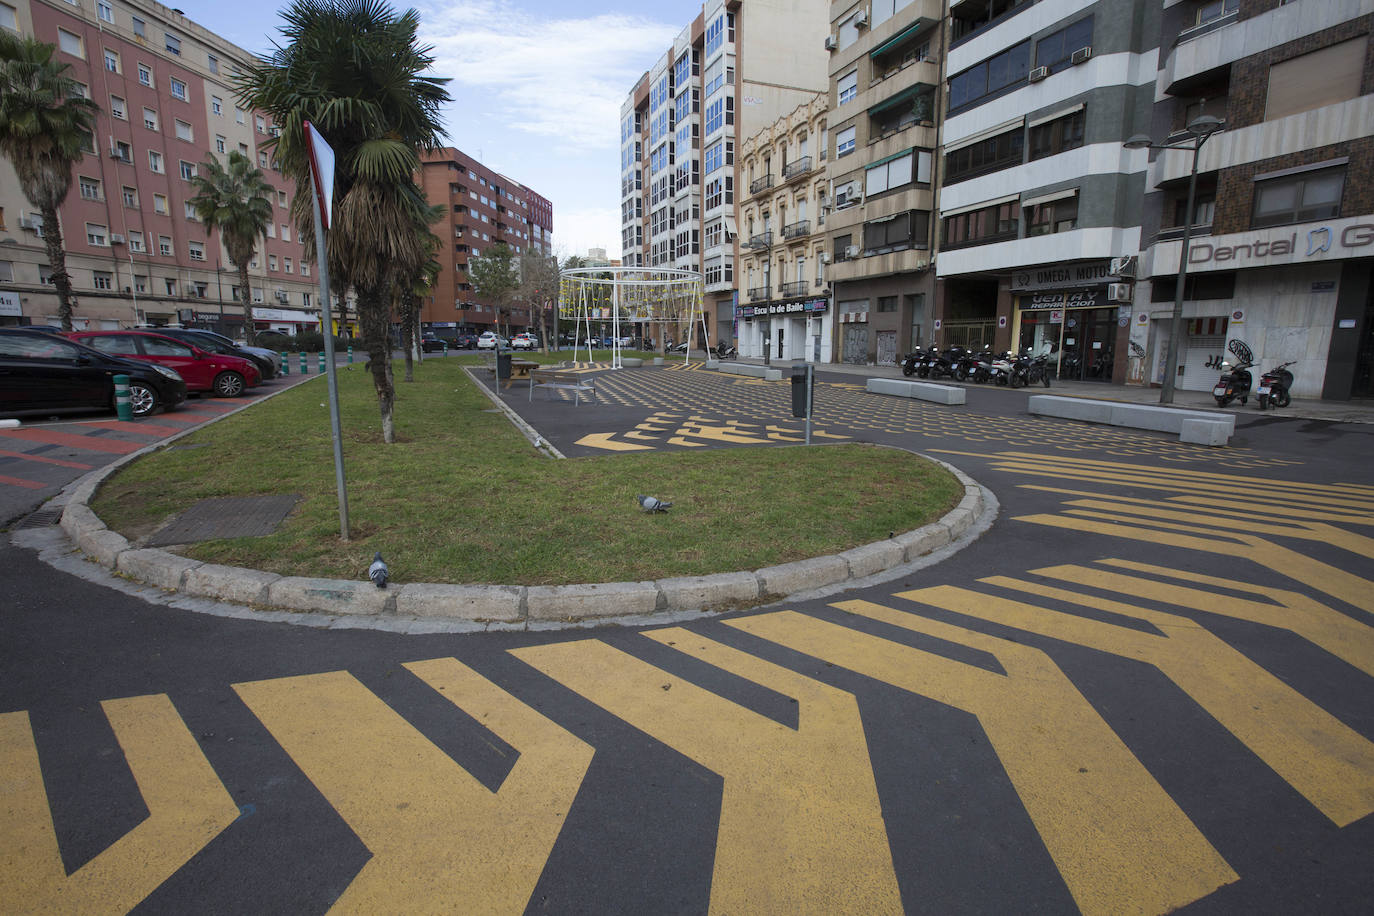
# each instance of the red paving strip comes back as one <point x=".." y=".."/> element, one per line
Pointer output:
<point x="127" y="426"/>
<point x="57" y="461"/>
<point x="89" y="443"/>
<point x="18" y="482"/>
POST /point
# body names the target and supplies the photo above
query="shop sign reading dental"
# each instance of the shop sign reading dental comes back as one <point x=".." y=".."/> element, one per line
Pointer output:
<point x="1347" y="238"/>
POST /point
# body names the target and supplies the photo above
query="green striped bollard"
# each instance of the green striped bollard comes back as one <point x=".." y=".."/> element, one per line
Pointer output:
<point x="305" y="367"/>
<point x="446" y="347"/>
<point x="321" y="362"/>
<point x="350" y="354"/>
<point x="285" y="363"/>
<point x="124" y="408"/>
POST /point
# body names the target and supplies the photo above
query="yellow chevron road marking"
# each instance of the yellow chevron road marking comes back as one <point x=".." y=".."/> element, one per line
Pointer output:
<point x="1224" y="507"/>
<point x="719" y="433"/>
<point x="1320" y="625"/>
<point x="188" y="806"/>
<point x="441" y="842"/>
<point x="610" y="443"/>
<point x="682" y="440"/>
<point x="801" y="828"/>
<point x="1325" y="760"/>
<point x="1119" y="841"/>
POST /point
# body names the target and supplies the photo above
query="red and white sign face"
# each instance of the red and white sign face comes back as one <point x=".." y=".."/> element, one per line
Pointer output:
<point x="321" y="170"/>
<point x="1237" y="315"/>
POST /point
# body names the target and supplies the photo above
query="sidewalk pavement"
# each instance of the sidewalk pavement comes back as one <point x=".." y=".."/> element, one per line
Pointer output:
<point x="1354" y="411"/>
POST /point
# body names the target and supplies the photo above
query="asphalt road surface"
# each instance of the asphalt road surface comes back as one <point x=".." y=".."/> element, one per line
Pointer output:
<point x="1145" y="686"/>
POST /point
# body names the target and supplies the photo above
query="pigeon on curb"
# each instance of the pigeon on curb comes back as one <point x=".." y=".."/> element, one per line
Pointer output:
<point x="378" y="572"/>
<point x="653" y="504"/>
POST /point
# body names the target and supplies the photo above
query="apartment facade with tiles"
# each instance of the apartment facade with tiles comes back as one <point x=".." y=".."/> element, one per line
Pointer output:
<point x="736" y="68"/>
<point x="134" y="249"/>
<point x="484" y="208"/>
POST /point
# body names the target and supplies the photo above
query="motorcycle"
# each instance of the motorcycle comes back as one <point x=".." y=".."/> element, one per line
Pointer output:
<point x="973" y="367"/>
<point x="999" y="369"/>
<point x="1274" y="385"/>
<point x="943" y="364"/>
<point x="724" y="352"/>
<point x="1235" y="378"/>
<point x="911" y="361"/>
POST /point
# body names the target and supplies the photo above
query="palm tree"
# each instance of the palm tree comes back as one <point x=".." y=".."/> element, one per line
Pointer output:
<point x="352" y="68"/>
<point x="235" y="201"/>
<point x="414" y="280"/>
<point x="45" y="125"/>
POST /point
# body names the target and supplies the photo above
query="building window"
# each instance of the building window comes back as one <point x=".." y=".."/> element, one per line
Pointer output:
<point x="8" y="18"/>
<point x="990" y="77"/>
<point x="216" y="104"/>
<point x="130" y="196"/>
<point x="1216" y="9"/>
<point x="189" y="211"/>
<point x="140" y="28"/>
<point x="87" y="141"/>
<point x="104" y="11"/>
<point x="140" y="284"/>
<point x="197" y="250"/>
<point x="70" y="44"/>
<point x="281" y="198"/>
<point x="257" y="294"/>
<point x="188" y="170"/>
<point x="123" y="151"/>
<point x="287" y="265"/>
<point x="1300" y="198"/>
<point x="80" y="91"/>
<point x="271" y="231"/>
<point x="272" y="262"/>
<point x="993" y="154"/>
<point x="219" y="144"/>
<point x="178" y="89"/>
<point x="262" y="160"/>
<point x="887" y="303"/>
<point x="45" y="274"/>
<point x="212" y="62"/>
<point x="111" y="60"/>
<point x="117" y="109"/>
<point x="285" y="232"/>
<point x="1325" y="77"/>
<point x="90" y="187"/>
<point x="102" y="279"/>
<point x="995" y="223"/>
<point x="1052" y="216"/>
<point x="145" y="76"/>
<point x="913" y="165"/>
<point x="1056" y="136"/>
<point x="305" y="268"/>
<point x="150" y="119"/>
<point x="173" y="44"/>
<point x="261" y="123"/>
<point x="909" y="229"/>
<point x="170" y="285"/>
<point x="848" y="86"/>
<point x="842" y="245"/>
<point x="160" y="204"/>
<point x="1055" y="52"/>
<point x="95" y="234"/>
<point x="155" y="161"/>
<point x="184" y="131"/>
<point x="136" y="242"/>
<point x="844" y="142"/>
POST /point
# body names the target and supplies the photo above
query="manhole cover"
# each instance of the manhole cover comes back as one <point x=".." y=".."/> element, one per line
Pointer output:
<point x="232" y="517"/>
<point x="43" y="518"/>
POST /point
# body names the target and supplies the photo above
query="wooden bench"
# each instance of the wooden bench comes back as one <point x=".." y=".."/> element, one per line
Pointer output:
<point x="558" y="380"/>
<point x="519" y="369"/>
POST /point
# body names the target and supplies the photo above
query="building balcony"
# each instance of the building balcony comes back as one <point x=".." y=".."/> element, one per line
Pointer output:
<point x="761" y="184"/>
<point x="798" y="288"/>
<point x="796" y="168"/>
<point x="757" y="293"/>
<point x="797" y="230"/>
<point x="762" y="240"/>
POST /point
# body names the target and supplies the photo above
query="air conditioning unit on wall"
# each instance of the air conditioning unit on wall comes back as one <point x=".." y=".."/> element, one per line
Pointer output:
<point x="1081" y="55"/>
<point x="1118" y="292"/>
<point x="851" y="252"/>
<point x="830" y="43"/>
<point x="1123" y="266"/>
<point x="1038" y="74"/>
<point x="825" y="257"/>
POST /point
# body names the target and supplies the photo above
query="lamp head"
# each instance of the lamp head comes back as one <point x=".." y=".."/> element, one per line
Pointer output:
<point x="1139" y="141"/>
<point x="1204" y="125"/>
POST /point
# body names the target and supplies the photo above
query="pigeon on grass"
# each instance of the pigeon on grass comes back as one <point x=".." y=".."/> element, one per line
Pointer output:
<point x="378" y="572"/>
<point x="653" y="504"/>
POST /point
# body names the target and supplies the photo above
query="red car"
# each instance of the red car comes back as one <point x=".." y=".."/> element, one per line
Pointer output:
<point x="225" y="376"/>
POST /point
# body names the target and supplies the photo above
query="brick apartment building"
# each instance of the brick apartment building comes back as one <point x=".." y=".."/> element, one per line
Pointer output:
<point x="135" y="252"/>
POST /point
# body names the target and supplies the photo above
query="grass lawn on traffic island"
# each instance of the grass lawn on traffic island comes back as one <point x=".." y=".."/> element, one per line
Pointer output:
<point x="462" y="497"/>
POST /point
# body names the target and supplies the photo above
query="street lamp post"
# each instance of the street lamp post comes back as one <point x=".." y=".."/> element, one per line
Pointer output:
<point x="1199" y="129"/>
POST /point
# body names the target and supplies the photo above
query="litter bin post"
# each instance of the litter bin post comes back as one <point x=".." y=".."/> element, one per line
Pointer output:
<point x="502" y="366"/>
<point x="803" y="393"/>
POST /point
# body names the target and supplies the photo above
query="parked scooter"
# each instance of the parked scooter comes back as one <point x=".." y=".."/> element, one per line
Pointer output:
<point x="912" y="361"/>
<point x="1274" y="385"/>
<point x="1235" y="378"/>
<point x="999" y="370"/>
<point x="726" y="352"/>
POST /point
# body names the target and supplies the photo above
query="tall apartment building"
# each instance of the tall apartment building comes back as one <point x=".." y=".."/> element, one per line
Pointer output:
<point x="785" y="302"/>
<point x="1283" y="256"/>
<point x="736" y="69"/>
<point x="484" y="208"/>
<point x="1040" y="200"/>
<point x="135" y="251"/>
<point x="884" y="68"/>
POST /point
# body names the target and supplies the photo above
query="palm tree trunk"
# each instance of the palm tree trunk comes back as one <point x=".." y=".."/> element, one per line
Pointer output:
<point x="57" y="262"/>
<point x="408" y="334"/>
<point x="374" y="313"/>
<point x="249" y="332"/>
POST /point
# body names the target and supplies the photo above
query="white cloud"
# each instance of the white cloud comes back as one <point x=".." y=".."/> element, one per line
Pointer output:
<point x="562" y="80"/>
<point x="576" y="230"/>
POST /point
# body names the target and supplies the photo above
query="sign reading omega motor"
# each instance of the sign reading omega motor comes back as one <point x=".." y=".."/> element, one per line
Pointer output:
<point x="1350" y="238"/>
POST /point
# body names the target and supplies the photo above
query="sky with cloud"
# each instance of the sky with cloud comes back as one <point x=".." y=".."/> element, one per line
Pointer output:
<point x="537" y="88"/>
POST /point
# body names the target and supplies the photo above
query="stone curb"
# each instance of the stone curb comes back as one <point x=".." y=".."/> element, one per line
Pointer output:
<point x="528" y="607"/>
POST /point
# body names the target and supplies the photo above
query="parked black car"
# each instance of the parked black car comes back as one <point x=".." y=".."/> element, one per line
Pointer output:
<point x="465" y="342"/>
<point x="40" y="372"/>
<point x="429" y="343"/>
<point x="214" y="343"/>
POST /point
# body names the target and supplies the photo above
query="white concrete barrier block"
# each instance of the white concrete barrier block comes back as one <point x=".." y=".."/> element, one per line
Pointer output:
<point x="463" y="602"/>
<point x="921" y="391"/>
<point x="576" y="602"/>
<point x="704" y="593"/>
<point x="922" y="541"/>
<point x="1204" y="432"/>
<point x="803" y="575"/>
<point x="873" y="558"/>
<point x="1050" y="405"/>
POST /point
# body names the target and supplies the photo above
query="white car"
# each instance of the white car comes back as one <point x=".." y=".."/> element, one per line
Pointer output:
<point x="523" y="342"/>
<point x="489" y="341"/>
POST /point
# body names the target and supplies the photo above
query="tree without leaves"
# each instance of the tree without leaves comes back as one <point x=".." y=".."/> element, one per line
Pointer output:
<point x="539" y="287"/>
<point x="235" y="201"/>
<point x="353" y="69"/>
<point x="45" y="124"/>
<point x="493" y="274"/>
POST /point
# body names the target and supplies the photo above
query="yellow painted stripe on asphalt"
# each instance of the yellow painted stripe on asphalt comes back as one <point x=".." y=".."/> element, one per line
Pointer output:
<point x="1320" y="625"/>
<point x="609" y="442"/>
<point x="1326" y="761"/>
<point x="441" y="842"/>
<point x="1119" y="841"/>
<point x="801" y="828"/>
<point x="187" y="804"/>
<point x="719" y="434"/>
<point x="1229" y="506"/>
<point x="1315" y="574"/>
